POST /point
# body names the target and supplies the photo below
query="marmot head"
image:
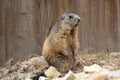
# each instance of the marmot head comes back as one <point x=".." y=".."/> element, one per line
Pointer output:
<point x="67" y="21"/>
<point x="70" y="19"/>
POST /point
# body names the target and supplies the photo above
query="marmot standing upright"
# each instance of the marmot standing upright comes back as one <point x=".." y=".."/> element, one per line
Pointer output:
<point x="61" y="45"/>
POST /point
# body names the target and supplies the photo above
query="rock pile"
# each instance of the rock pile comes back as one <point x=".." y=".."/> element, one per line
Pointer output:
<point x="23" y="70"/>
<point x="26" y="70"/>
<point x="93" y="72"/>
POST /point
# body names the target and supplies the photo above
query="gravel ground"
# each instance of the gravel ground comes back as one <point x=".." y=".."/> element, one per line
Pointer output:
<point x="32" y="66"/>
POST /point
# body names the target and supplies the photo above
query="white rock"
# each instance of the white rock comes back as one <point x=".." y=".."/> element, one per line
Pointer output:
<point x="41" y="78"/>
<point x="82" y="76"/>
<point x="100" y="76"/>
<point x="52" y="72"/>
<point x="69" y="76"/>
<point x="92" y="68"/>
<point x="92" y="76"/>
<point x="114" y="54"/>
<point x="113" y="74"/>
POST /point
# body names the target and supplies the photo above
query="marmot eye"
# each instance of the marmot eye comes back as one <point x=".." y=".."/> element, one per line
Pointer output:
<point x="70" y="16"/>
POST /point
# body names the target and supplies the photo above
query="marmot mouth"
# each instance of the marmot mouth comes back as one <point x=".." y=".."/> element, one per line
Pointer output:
<point x="77" y="23"/>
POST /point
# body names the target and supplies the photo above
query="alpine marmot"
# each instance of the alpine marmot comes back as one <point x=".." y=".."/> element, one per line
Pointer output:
<point x="61" y="46"/>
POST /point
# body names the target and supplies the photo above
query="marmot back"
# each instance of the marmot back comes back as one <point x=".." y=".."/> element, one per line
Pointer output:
<point x="61" y="46"/>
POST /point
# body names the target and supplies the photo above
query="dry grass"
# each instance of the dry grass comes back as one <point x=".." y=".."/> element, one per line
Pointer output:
<point x="104" y="60"/>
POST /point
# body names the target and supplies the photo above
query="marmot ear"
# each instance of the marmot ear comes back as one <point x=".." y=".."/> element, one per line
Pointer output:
<point x="62" y="17"/>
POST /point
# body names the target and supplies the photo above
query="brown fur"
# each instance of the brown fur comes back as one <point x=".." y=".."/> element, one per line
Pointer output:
<point x="60" y="47"/>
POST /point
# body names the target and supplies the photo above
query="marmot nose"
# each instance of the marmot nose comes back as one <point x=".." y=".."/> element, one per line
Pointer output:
<point x="78" y="20"/>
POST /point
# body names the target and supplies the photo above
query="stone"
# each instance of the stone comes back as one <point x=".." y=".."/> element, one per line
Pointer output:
<point x="115" y="54"/>
<point x="114" y="74"/>
<point x="52" y="72"/>
<point x="100" y="76"/>
<point x="92" y="68"/>
<point x="82" y="76"/>
<point x="69" y="76"/>
<point x="42" y="78"/>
